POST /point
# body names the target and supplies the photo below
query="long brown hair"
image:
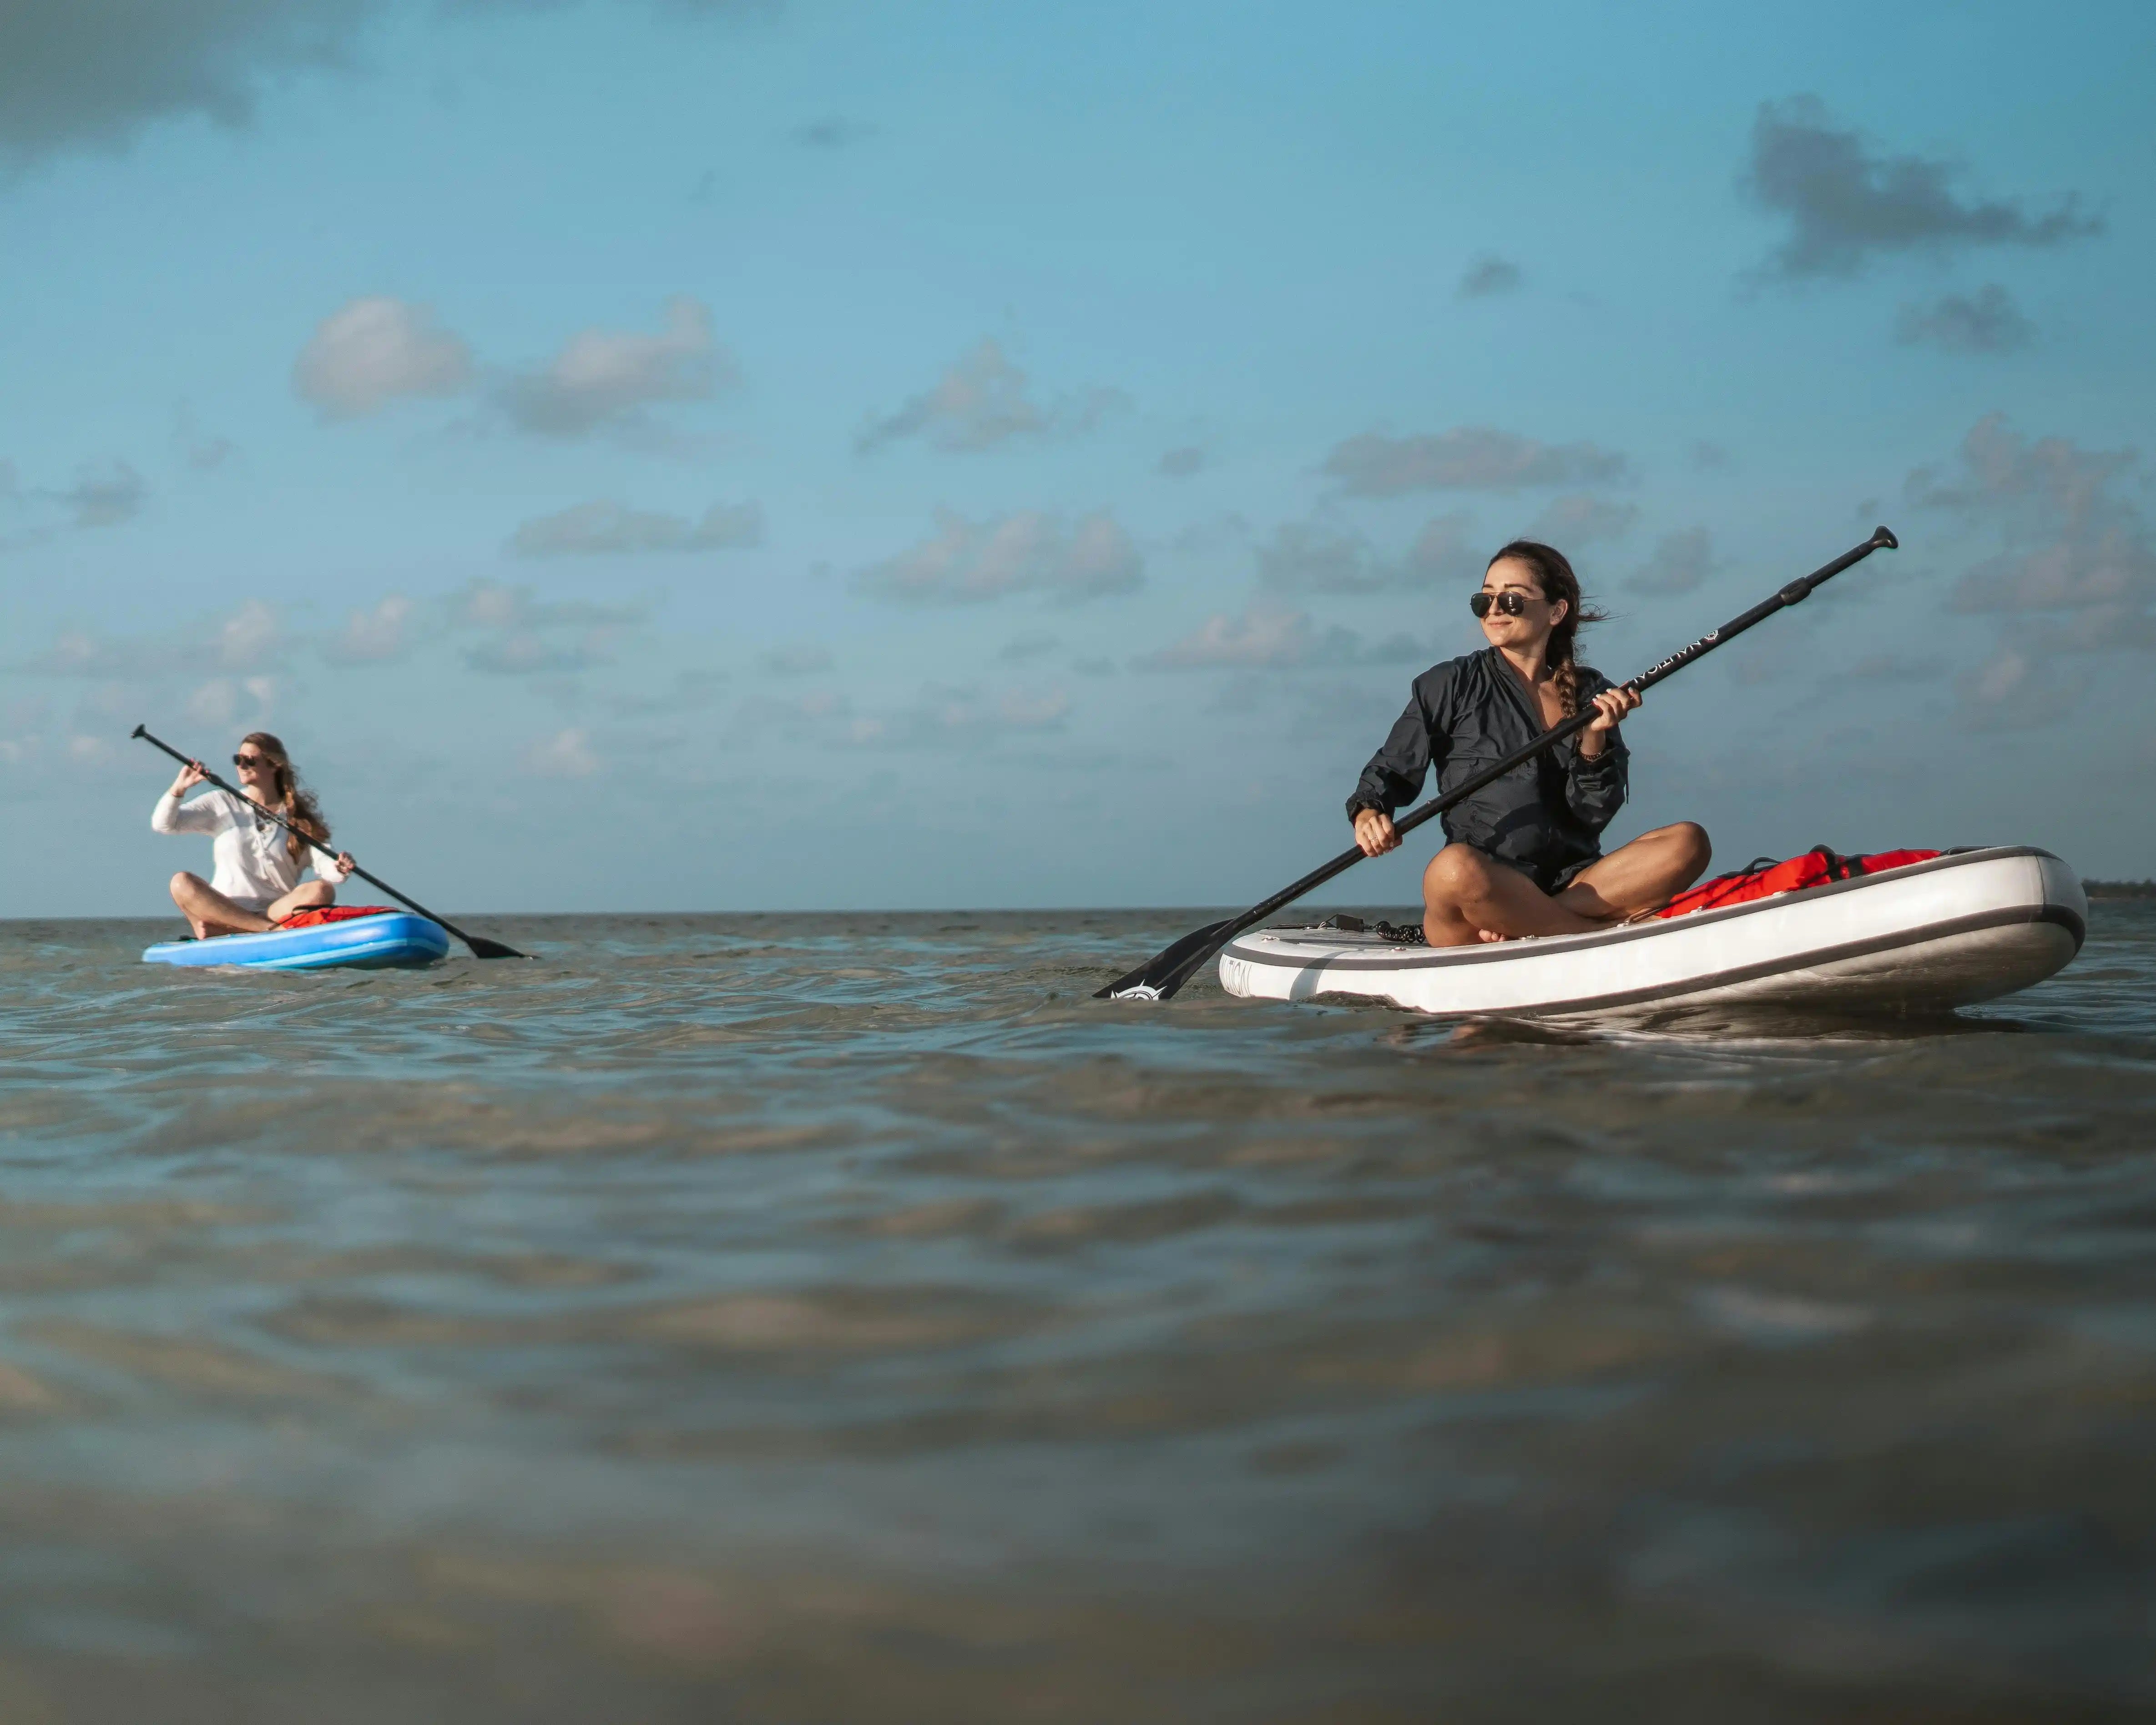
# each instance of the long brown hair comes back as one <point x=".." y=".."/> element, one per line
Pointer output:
<point x="294" y="801"/>
<point x="1553" y="575"/>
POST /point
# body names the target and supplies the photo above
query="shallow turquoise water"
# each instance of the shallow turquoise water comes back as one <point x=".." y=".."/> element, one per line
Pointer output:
<point x="790" y="1319"/>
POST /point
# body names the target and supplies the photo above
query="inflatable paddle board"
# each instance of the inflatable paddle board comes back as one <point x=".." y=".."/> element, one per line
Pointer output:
<point x="1926" y="937"/>
<point x="396" y="939"/>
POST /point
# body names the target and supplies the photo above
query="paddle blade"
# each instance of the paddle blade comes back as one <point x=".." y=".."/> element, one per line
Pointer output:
<point x="1164" y="974"/>
<point x="482" y="947"/>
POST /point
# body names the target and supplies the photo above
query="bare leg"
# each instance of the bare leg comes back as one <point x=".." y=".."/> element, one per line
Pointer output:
<point x="1465" y="893"/>
<point x="307" y="895"/>
<point x="209" y="912"/>
<point x="1643" y="875"/>
<point x="1469" y="897"/>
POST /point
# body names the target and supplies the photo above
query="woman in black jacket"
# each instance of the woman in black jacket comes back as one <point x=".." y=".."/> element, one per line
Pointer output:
<point x="1522" y="856"/>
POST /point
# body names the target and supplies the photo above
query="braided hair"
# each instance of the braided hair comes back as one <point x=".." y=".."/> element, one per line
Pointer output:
<point x="1553" y="575"/>
<point x="294" y="801"/>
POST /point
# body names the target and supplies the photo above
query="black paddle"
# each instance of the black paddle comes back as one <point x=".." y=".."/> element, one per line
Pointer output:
<point x="481" y="947"/>
<point x="1161" y="976"/>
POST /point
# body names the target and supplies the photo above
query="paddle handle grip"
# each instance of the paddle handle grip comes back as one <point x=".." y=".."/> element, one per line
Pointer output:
<point x="1797" y="590"/>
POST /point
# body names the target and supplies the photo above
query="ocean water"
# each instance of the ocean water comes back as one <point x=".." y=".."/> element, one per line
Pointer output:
<point x="844" y="1318"/>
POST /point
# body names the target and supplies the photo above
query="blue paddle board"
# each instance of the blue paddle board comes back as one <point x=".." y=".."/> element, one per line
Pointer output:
<point x="396" y="940"/>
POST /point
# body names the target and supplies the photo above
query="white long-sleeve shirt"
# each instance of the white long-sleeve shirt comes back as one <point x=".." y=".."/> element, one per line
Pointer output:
<point x="254" y="868"/>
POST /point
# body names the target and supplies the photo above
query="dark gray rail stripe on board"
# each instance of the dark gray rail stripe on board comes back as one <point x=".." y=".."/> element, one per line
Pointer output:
<point x="2056" y="914"/>
<point x="1501" y="952"/>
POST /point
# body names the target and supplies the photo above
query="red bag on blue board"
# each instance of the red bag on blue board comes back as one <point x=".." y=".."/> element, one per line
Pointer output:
<point x="319" y="914"/>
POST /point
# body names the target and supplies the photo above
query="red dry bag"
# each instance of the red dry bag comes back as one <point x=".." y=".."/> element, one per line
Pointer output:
<point x="1766" y="877"/>
<point x="320" y="913"/>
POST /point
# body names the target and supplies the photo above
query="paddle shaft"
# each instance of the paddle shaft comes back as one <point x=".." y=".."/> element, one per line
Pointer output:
<point x="485" y="948"/>
<point x="1794" y="593"/>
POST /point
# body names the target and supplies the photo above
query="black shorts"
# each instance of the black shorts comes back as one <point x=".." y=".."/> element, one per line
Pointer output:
<point x="1553" y="880"/>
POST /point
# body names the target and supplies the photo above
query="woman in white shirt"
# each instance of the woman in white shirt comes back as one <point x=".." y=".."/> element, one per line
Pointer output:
<point x="256" y="884"/>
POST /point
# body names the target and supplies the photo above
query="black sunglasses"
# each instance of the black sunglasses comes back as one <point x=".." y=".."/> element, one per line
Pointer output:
<point x="1509" y="601"/>
<point x="264" y="761"/>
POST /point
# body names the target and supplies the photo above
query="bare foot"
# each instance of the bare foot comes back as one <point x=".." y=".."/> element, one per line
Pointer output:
<point x="1490" y="934"/>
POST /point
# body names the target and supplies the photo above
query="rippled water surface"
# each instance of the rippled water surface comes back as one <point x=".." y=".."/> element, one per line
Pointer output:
<point x="844" y="1318"/>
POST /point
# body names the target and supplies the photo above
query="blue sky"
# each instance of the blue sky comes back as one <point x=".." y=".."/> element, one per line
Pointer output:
<point x="669" y="454"/>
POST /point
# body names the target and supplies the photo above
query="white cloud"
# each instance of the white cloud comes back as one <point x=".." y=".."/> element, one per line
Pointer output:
<point x="1580" y="519"/>
<point x="524" y="652"/>
<point x="938" y="717"/>
<point x="977" y="403"/>
<point x="1018" y="710"/>
<point x="250" y="639"/>
<point x="1262" y="636"/>
<point x="2006" y="673"/>
<point x="2012" y="691"/>
<point x="250" y="636"/>
<point x="488" y="605"/>
<point x="367" y="353"/>
<point x="981" y="402"/>
<point x="1681" y="562"/>
<point x="220" y="702"/>
<point x="2072" y="551"/>
<point x="493" y="604"/>
<point x="605" y="378"/>
<point x="372" y="637"/>
<point x="608" y="528"/>
<point x="1030" y="551"/>
<point x="567" y="754"/>
<point x="1470" y="458"/>
<point x="529" y="637"/>
<point x="1998" y="471"/>
<point x="1270" y="637"/>
<point x="215" y="703"/>
<point x="1320" y="556"/>
<point x="1325" y="556"/>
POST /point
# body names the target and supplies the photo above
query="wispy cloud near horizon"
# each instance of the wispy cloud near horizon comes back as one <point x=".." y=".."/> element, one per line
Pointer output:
<point x="1472" y="458"/>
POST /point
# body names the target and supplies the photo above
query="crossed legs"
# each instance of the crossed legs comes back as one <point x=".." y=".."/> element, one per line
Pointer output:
<point x="1468" y="896"/>
<point x="209" y="912"/>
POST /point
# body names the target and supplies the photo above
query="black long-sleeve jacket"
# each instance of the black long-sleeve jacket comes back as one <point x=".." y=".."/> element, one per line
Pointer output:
<point x="1470" y="712"/>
